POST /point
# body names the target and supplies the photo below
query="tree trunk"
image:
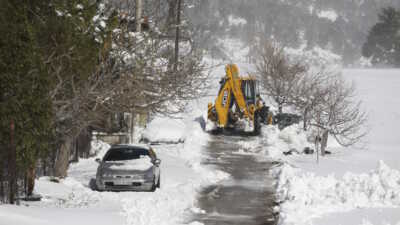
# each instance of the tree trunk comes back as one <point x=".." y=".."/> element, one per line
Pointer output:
<point x="280" y="108"/>
<point x="177" y="33"/>
<point x="62" y="160"/>
<point x="305" y="119"/>
<point x="324" y="142"/>
<point x="30" y="177"/>
<point x="172" y="5"/>
<point x="132" y="128"/>
<point x="138" y="16"/>
<point x="1" y="181"/>
<point x="12" y="166"/>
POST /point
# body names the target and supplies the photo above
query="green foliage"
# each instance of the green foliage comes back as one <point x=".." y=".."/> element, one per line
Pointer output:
<point x="24" y="83"/>
<point x="49" y="49"/>
<point x="383" y="42"/>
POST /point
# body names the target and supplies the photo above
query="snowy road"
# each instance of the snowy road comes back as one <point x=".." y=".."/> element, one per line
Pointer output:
<point x="247" y="197"/>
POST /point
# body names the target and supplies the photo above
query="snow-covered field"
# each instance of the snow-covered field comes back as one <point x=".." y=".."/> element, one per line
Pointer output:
<point x="356" y="185"/>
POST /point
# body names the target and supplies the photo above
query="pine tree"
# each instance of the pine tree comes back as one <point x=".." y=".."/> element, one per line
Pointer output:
<point x="383" y="42"/>
<point x="25" y="107"/>
<point x="50" y="52"/>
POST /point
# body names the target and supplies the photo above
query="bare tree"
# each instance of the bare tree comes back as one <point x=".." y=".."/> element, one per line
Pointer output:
<point x="308" y="93"/>
<point x="133" y="75"/>
<point x="177" y="33"/>
<point x="339" y="114"/>
<point x="279" y="76"/>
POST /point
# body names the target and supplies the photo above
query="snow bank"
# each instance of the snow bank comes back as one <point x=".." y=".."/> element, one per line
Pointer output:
<point x="182" y="176"/>
<point x="276" y="141"/>
<point x="165" y="130"/>
<point x="181" y="179"/>
<point x="367" y="222"/>
<point x="305" y="195"/>
<point x="339" y="189"/>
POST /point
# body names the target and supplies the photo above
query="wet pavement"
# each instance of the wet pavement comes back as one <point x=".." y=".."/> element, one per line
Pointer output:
<point x="246" y="198"/>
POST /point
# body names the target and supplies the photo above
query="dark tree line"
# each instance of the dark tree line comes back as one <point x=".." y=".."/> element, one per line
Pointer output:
<point x="292" y="22"/>
<point x="383" y="42"/>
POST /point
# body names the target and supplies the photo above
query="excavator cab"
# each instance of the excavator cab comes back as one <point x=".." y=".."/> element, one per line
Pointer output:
<point x="237" y="103"/>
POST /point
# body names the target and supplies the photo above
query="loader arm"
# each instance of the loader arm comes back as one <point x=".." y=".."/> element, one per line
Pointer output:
<point x="232" y="73"/>
<point x="223" y="103"/>
<point x="229" y="94"/>
<point x="235" y="91"/>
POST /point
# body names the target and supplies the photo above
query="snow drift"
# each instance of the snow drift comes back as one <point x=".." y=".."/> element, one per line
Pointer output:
<point x="305" y="195"/>
<point x="164" y="130"/>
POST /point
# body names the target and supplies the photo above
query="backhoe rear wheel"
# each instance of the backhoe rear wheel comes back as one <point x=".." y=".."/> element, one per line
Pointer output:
<point x="257" y="124"/>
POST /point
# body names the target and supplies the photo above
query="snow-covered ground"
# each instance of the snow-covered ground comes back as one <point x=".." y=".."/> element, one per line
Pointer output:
<point x="182" y="176"/>
<point x="73" y="202"/>
<point x="356" y="185"/>
<point x="359" y="185"/>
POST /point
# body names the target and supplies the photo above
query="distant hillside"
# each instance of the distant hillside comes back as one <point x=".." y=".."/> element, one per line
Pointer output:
<point x="340" y="26"/>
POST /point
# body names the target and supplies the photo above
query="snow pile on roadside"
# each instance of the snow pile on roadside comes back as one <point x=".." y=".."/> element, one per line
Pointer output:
<point x="367" y="222"/>
<point x="180" y="181"/>
<point x="276" y="141"/>
<point x="305" y="195"/>
<point x="182" y="176"/>
<point x="162" y="207"/>
<point x="68" y="193"/>
<point x="165" y="130"/>
<point x="192" y="152"/>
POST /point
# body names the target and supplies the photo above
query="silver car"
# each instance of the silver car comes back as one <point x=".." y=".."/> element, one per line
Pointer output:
<point x="128" y="168"/>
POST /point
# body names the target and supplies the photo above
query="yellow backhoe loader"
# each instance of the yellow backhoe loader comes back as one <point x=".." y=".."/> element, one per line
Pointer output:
<point x="238" y="105"/>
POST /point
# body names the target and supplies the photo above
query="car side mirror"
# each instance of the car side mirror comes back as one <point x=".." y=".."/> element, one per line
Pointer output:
<point x="98" y="160"/>
<point x="157" y="162"/>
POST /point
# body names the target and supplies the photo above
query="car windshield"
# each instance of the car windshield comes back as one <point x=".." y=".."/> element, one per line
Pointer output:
<point x="121" y="154"/>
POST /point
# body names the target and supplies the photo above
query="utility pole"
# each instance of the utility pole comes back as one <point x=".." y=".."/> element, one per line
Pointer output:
<point x="178" y="23"/>
<point x="138" y="15"/>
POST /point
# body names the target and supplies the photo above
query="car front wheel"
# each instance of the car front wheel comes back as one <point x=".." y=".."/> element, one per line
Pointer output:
<point x="159" y="182"/>
<point x="154" y="186"/>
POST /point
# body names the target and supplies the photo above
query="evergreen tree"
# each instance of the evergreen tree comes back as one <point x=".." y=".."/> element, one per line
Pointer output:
<point x="50" y="52"/>
<point x="24" y="85"/>
<point x="383" y="42"/>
